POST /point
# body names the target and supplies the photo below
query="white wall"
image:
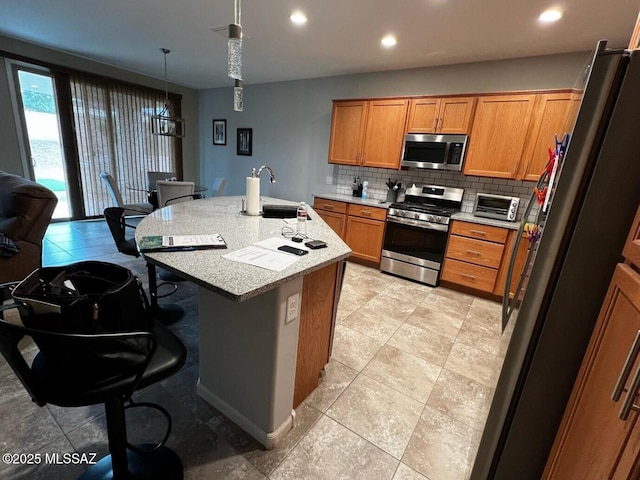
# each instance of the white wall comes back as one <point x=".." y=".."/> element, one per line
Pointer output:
<point x="291" y="120"/>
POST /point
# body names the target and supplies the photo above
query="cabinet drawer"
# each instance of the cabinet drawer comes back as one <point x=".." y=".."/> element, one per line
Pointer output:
<point x="365" y="211"/>
<point x="481" y="232"/>
<point x="474" y="276"/>
<point x="329" y="205"/>
<point x="479" y="252"/>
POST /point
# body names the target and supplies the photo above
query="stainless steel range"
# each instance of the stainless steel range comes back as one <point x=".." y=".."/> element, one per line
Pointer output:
<point x="416" y="233"/>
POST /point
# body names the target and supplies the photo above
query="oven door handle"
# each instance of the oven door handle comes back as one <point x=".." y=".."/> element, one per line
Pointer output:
<point x="416" y="223"/>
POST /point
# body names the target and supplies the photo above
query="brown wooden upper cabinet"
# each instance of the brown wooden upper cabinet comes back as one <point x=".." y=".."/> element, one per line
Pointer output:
<point x="554" y="115"/>
<point x="441" y="115"/>
<point x="368" y="133"/>
<point x="498" y="136"/>
<point x="512" y="134"/>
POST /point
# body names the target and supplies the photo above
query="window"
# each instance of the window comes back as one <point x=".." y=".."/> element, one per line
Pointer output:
<point x="113" y="135"/>
<point x="77" y="125"/>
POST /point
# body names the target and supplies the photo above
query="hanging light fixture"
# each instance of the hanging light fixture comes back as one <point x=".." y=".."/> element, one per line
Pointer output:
<point x="235" y="56"/>
<point x="166" y="123"/>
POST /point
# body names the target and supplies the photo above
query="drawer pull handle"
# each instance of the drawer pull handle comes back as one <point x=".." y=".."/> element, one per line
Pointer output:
<point x="474" y="253"/>
<point x="366" y="213"/>
<point x="328" y="207"/>
<point x="466" y="275"/>
<point x="479" y="232"/>
<point x="626" y="368"/>
<point x="632" y="392"/>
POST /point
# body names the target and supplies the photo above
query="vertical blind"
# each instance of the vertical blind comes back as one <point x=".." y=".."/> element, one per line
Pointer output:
<point x="113" y="134"/>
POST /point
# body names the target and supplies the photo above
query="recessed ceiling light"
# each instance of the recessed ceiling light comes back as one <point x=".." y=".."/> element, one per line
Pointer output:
<point x="389" y="40"/>
<point x="551" y="15"/>
<point x="298" y="18"/>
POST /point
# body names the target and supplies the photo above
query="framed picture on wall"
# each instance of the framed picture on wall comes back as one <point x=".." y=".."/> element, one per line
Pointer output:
<point x="245" y="140"/>
<point x="219" y="132"/>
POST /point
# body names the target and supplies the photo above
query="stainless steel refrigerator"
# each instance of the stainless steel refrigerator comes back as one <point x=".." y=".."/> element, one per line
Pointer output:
<point x="596" y="196"/>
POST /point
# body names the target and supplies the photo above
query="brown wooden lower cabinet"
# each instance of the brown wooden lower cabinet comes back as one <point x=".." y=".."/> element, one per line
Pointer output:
<point x="337" y="221"/>
<point x="316" y="328"/>
<point x="360" y="226"/>
<point x="364" y="236"/>
<point x="593" y="441"/>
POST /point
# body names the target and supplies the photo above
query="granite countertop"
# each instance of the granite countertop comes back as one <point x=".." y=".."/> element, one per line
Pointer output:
<point x="371" y="202"/>
<point x="469" y="217"/>
<point x="234" y="280"/>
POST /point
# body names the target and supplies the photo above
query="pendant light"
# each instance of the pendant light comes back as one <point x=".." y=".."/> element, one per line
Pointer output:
<point x="166" y="123"/>
<point x="234" y="62"/>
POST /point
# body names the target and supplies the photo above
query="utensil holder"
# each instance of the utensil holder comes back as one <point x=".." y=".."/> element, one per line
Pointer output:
<point x="392" y="196"/>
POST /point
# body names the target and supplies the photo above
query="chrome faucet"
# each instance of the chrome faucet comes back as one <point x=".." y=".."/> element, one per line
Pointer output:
<point x="272" y="175"/>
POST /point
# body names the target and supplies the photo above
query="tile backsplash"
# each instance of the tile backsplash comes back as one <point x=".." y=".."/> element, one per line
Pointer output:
<point x="377" y="178"/>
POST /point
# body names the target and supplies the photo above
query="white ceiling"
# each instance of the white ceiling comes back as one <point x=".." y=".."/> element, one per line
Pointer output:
<point x="341" y="36"/>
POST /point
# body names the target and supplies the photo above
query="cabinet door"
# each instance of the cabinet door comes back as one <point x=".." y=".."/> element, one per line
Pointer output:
<point x="497" y="139"/>
<point x="347" y="130"/>
<point x="593" y="442"/>
<point x="384" y="133"/>
<point x="335" y="220"/>
<point x="549" y="120"/>
<point x="364" y="237"/>
<point x="456" y="114"/>
<point x="423" y="115"/>
<point x="572" y="112"/>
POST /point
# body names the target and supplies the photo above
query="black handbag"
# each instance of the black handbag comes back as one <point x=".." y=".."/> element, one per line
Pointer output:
<point x="88" y="298"/>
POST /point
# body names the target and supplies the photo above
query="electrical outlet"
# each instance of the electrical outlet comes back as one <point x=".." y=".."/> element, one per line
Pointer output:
<point x="328" y="180"/>
<point x="293" y="305"/>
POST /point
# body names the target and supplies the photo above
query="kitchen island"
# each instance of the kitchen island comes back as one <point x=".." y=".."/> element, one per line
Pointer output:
<point x="264" y="335"/>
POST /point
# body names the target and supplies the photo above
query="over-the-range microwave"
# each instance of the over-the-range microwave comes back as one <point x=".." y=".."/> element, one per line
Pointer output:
<point x="434" y="151"/>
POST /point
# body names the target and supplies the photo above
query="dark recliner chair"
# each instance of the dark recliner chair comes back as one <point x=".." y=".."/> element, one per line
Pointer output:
<point x="79" y="380"/>
<point x="26" y="208"/>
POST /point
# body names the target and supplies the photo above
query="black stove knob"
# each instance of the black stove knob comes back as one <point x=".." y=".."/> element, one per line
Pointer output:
<point x="429" y="218"/>
<point x="416" y="216"/>
<point x="439" y="219"/>
<point x="402" y="213"/>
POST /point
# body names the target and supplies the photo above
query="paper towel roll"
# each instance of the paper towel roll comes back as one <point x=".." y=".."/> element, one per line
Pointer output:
<point x="253" y="196"/>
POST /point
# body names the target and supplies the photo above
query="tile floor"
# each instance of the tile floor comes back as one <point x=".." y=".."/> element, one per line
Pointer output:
<point x="405" y="396"/>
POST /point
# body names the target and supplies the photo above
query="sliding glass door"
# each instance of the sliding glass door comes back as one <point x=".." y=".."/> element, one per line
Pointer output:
<point x="42" y="132"/>
<point x="77" y="125"/>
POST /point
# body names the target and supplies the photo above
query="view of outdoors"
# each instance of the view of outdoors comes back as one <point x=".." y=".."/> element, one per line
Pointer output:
<point x="44" y="136"/>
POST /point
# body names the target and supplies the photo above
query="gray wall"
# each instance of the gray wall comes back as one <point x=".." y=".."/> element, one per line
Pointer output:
<point x="291" y="120"/>
<point x="9" y="140"/>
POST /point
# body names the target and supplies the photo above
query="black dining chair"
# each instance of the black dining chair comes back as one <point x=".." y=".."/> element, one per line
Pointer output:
<point x="74" y="370"/>
<point x="166" y="313"/>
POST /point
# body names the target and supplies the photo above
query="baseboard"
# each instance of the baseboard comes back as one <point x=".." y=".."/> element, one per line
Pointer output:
<point x="268" y="439"/>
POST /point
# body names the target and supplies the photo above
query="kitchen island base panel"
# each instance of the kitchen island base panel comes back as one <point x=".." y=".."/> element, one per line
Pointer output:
<point x="248" y="359"/>
<point x="268" y="439"/>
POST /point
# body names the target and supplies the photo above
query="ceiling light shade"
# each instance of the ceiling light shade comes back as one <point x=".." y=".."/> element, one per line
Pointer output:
<point x="551" y="15"/>
<point x="235" y="52"/>
<point x="234" y="69"/>
<point x="298" y="18"/>
<point x="238" y="96"/>
<point x="388" y="40"/>
<point x="166" y="123"/>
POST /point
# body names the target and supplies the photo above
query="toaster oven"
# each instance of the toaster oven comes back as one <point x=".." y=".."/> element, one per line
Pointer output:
<point x="498" y="207"/>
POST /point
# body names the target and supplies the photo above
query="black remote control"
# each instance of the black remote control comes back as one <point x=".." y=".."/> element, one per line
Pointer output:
<point x="294" y="250"/>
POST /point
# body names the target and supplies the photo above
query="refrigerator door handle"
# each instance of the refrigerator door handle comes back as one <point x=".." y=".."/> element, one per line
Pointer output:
<point x="509" y="306"/>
